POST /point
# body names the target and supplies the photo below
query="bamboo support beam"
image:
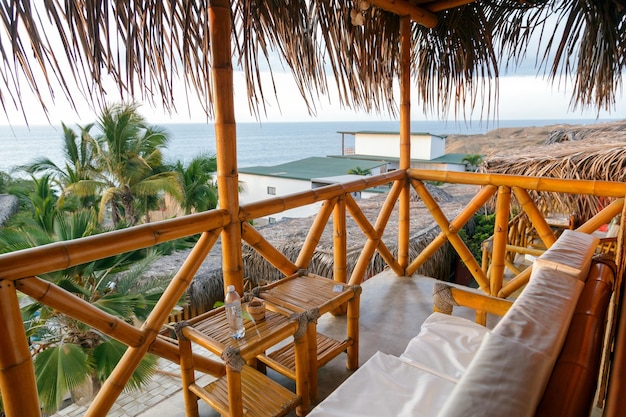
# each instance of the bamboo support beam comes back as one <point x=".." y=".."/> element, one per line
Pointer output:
<point x="536" y="217"/>
<point x="17" y="373"/>
<point x="405" y="141"/>
<point x="371" y="245"/>
<point x="500" y="235"/>
<point x="404" y="8"/>
<point x="603" y="217"/>
<point x="53" y="296"/>
<point x="266" y="250"/>
<point x="340" y="268"/>
<point x="371" y="233"/>
<point x="67" y="303"/>
<point x="515" y="284"/>
<point x="270" y="206"/>
<point x="441" y="5"/>
<point x="114" y="385"/>
<point x="603" y="188"/>
<point x="315" y="233"/>
<point x="449" y="232"/>
<point x="475" y="301"/>
<point x="62" y="255"/>
<point x="220" y="27"/>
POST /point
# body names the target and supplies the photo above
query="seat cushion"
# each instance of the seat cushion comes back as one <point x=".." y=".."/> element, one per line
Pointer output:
<point x="386" y="386"/>
<point x="445" y="345"/>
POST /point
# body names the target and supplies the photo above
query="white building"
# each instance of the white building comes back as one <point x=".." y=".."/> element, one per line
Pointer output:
<point x="376" y="152"/>
<point x="428" y="151"/>
<point x="263" y="182"/>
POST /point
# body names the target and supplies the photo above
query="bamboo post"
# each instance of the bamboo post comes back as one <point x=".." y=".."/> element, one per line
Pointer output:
<point x="114" y="385"/>
<point x="301" y="349"/>
<point x="340" y="241"/>
<point x="315" y="232"/>
<point x="235" y="396"/>
<point x="500" y="234"/>
<point x="354" y="305"/>
<point x="536" y="217"/>
<point x="17" y="374"/>
<point x="187" y="376"/>
<point x="220" y="28"/>
<point x="269" y="252"/>
<point x="405" y="140"/>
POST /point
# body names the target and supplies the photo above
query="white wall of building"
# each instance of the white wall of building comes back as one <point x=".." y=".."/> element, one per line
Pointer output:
<point x="422" y="146"/>
<point x="255" y="188"/>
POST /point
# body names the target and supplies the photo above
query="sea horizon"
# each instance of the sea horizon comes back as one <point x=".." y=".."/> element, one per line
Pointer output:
<point x="266" y="143"/>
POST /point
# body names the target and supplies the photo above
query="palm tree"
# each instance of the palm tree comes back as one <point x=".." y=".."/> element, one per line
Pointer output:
<point x="71" y="352"/>
<point x="79" y="158"/>
<point x="129" y="164"/>
<point x="472" y="161"/>
<point x="199" y="189"/>
<point x="359" y="171"/>
<point x="40" y="197"/>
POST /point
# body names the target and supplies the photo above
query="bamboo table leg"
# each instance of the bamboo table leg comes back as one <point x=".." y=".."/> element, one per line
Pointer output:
<point x="187" y="376"/>
<point x="352" y="361"/>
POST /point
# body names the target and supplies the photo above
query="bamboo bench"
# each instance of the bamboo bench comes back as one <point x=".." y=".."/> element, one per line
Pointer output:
<point x="541" y="358"/>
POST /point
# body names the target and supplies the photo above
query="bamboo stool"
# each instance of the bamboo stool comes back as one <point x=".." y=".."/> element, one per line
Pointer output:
<point x="243" y="390"/>
<point x="313" y="296"/>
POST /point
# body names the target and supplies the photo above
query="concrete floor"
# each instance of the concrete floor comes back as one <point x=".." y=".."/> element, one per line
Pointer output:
<point x="392" y="311"/>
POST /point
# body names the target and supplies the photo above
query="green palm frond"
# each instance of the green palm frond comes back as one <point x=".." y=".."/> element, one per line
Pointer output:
<point x="108" y="354"/>
<point x="121" y="305"/>
<point x="59" y="369"/>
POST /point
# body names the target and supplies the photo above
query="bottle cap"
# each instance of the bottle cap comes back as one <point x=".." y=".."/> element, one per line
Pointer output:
<point x="231" y="288"/>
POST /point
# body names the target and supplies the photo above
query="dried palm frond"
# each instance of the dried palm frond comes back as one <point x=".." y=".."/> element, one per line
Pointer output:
<point x="598" y="154"/>
<point x="148" y="48"/>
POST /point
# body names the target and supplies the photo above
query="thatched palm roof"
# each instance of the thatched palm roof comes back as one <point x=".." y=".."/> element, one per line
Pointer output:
<point x="584" y="152"/>
<point x="459" y="48"/>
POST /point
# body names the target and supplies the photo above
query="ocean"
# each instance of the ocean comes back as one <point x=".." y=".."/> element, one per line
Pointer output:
<point x="257" y="143"/>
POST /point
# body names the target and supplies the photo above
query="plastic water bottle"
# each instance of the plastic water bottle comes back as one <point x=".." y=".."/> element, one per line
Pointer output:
<point x="232" y="302"/>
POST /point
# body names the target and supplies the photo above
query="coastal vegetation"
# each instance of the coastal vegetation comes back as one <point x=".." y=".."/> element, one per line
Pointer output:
<point x="113" y="176"/>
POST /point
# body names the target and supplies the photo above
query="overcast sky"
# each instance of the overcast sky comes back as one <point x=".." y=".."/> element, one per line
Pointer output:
<point x="521" y="97"/>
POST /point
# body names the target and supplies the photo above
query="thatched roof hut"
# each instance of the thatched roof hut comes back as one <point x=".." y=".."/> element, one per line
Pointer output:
<point x="588" y="152"/>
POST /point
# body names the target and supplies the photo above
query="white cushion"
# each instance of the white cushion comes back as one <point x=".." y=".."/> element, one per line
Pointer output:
<point x="513" y="365"/>
<point x="571" y="253"/>
<point x="503" y="380"/>
<point x="386" y="386"/>
<point x="445" y="345"/>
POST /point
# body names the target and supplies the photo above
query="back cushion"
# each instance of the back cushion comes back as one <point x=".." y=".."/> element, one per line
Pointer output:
<point x="512" y="367"/>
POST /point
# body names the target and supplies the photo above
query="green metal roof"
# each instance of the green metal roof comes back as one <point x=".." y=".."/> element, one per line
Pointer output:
<point x="313" y="167"/>
<point x="449" y="158"/>
<point x="386" y="132"/>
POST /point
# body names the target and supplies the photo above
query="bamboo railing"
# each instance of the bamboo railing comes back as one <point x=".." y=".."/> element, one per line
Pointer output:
<point x="19" y="271"/>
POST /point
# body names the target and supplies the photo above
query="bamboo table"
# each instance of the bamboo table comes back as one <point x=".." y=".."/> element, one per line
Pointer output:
<point x="314" y="295"/>
<point x="243" y="390"/>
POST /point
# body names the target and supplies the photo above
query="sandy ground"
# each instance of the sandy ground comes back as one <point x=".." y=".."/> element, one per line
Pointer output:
<point x="502" y="141"/>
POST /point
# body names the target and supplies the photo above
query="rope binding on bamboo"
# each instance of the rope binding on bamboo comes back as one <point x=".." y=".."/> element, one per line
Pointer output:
<point x="178" y="329"/>
<point x="232" y="358"/>
<point x="303" y="321"/>
<point x="443" y="299"/>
